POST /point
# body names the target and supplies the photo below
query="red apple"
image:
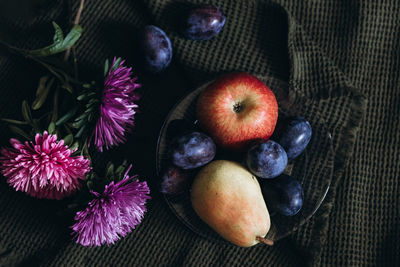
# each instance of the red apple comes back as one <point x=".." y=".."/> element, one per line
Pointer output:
<point x="237" y="109"/>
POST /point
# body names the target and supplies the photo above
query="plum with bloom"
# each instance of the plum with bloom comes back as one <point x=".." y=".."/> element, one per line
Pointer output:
<point x="112" y="214"/>
<point x="44" y="168"/>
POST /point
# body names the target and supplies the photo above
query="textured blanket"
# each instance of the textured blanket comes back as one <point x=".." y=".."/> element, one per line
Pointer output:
<point x="341" y="60"/>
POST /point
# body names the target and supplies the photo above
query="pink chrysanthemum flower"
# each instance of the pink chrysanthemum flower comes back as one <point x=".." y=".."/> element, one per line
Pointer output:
<point x="112" y="214"/>
<point x="43" y="168"/>
<point x="117" y="108"/>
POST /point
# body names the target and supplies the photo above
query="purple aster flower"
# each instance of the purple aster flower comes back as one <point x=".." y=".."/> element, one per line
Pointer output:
<point x="112" y="214"/>
<point x="117" y="108"/>
<point x="44" y="168"/>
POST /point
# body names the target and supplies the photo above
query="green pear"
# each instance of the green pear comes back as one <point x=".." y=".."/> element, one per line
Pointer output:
<point x="228" y="198"/>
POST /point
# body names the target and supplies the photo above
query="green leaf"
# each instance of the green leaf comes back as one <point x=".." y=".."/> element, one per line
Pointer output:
<point x="92" y="101"/>
<point x="120" y="170"/>
<point x="106" y="67"/>
<point x="41" y="86"/>
<point x="58" y="34"/>
<point x="67" y="116"/>
<point x="81" y="97"/>
<point x="41" y="93"/>
<point x="86" y="85"/>
<point x="90" y="118"/>
<point x="72" y="37"/>
<point x="54" y="114"/>
<point x="67" y="128"/>
<point x="74" y="145"/>
<point x="89" y="185"/>
<point x="85" y="150"/>
<point x="78" y="124"/>
<point x="81" y="131"/>
<point x="26" y="112"/>
<point x="116" y="64"/>
<point x="51" y="128"/>
<point x="67" y="87"/>
<point x="89" y="108"/>
<point x="59" y="43"/>
<point x="19" y="131"/>
<point x="68" y="139"/>
<point x="86" y="94"/>
<point x="81" y="117"/>
<point x="51" y="69"/>
<point x="14" y="121"/>
<point x="109" y="170"/>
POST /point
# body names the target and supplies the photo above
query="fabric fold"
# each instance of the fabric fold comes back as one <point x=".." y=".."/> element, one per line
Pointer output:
<point x="316" y="83"/>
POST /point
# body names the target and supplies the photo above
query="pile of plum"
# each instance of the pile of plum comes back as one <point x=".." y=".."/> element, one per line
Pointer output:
<point x="267" y="160"/>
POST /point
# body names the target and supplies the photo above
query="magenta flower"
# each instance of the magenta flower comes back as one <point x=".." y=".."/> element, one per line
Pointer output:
<point x="117" y="108"/>
<point x="44" y="168"/>
<point x="112" y="214"/>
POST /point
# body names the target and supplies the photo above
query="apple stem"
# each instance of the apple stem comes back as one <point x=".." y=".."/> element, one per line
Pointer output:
<point x="265" y="241"/>
<point x="238" y="107"/>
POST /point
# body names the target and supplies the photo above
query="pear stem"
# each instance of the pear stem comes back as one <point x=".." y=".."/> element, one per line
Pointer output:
<point x="265" y="241"/>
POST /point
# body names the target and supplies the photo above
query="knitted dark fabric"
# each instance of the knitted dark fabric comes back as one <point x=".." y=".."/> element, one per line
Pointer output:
<point x="341" y="62"/>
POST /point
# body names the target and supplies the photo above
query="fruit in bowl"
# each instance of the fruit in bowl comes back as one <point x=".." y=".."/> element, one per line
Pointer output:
<point x="267" y="159"/>
<point x="192" y="150"/>
<point x="250" y="155"/>
<point x="174" y="180"/>
<point x="228" y="198"/>
<point x="294" y="135"/>
<point x="283" y="195"/>
<point x="237" y="109"/>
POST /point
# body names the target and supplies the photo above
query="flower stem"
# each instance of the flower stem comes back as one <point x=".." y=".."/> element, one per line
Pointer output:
<point x="76" y="21"/>
<point x="75" y="62"/>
